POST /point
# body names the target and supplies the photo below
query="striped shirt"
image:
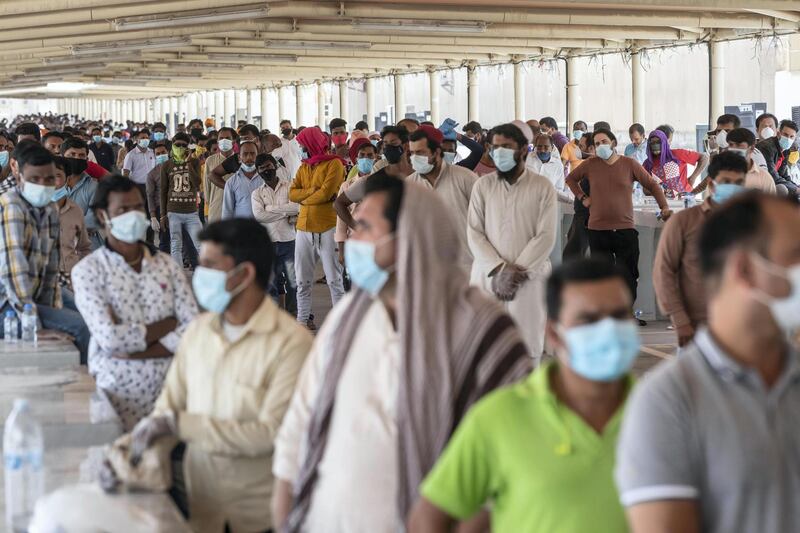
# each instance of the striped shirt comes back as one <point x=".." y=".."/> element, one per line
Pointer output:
<point x="29" y="252"/>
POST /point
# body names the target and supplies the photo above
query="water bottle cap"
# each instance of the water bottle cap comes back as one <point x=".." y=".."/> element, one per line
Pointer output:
<point x="21" y="403"/>
<point x="27" y="307"/>
<point x="10" y="313"/>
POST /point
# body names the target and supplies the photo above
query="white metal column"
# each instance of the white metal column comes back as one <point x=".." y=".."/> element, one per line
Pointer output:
<point x="433" y="83"/>
<point x="263" y="94"/>
<point x="344" y="107"/>
<point x="573" y="110"/>
<point x="298" y="104"/>
<point x="282" y="111"/>
<point x="637" y="87"/>
<point x="519" y="91"/>
<point x="472" y="91"/>
<point x="219" y="108"/>
<point x="182" y="110"/>
<point x="173" y="111"/>
<point x="399" y="98"/>
<point x="249" y="95"/>
<point x="320" y="104"/>
<point x="717" y="88"/>
<point x="237" y="103"/>
<point x="370" y="90"/>
<point x="228" y="112"/>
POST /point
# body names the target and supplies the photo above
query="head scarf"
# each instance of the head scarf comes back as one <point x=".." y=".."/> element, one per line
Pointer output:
<point x="356" y="146"/>
<point x="317" y="144"/>
<point x="354" y="135"/>
<point x="525" y="129"/>
<point x="457" y="344"/>
<point x="666" y="154"/>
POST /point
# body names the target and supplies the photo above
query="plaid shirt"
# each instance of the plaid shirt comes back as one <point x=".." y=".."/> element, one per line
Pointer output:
<point x="7" y="184"/>
<point x="29" y="252"/>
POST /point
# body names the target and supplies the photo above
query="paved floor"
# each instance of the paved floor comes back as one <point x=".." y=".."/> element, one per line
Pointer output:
<point x="658" y="342"/>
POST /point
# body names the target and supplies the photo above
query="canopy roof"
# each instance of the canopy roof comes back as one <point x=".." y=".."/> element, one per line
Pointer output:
<point x="166" y="47"/>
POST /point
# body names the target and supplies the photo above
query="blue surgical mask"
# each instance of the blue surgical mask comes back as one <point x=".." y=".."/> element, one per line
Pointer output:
<point x="725" y="191"/>
<point x="604" y="151"/>
<point x="374" y="142"/>
<point x="225" y="145"/>
<point x="248" y="168"/>
<point x="365" y="165"/>
<point x="421" y="165"/>
<point x="544" y="157"/>
<point x="209" y="288"/>
<point x="4" y="155"/>
<point x="303" y="154"/>
<point x="59" y="194"/>
<point x="159" y="136"/>
<point x="143" y="143"/>
<point x="604" y="350"/>
<point x="503" y="159"/>
<point x="37" y="195"/>
<point x="785" y="142"/>
<point x="359" y="257"/>
<point x="162" y="158"/>
<point x="97" y="138"/>
<point x="129" y="227"/>
<point x="107" y="140"/>
<point x="449" y="157"/>
<point x="116" y="140"/>
<point x="577" y="134"/>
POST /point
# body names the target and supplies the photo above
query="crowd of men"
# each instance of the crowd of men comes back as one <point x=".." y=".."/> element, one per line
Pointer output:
<point x="459" y="377"/>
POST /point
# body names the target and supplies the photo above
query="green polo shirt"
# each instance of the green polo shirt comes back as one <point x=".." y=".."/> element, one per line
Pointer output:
<point x="538" y="464"/>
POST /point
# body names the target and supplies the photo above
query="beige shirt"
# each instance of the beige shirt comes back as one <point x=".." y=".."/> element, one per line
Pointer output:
<point x="758" y="178"/>
<point x="230" y="398"/>
<point x="356" y="490"/>
<point x="454" y="186"/>
<point x="211" y="192"/>
<point x="274" y="210"/>
<point x="74" y="240"/>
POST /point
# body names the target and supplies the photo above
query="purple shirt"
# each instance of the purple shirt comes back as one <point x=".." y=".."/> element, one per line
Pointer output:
<point x="560" y="140"/>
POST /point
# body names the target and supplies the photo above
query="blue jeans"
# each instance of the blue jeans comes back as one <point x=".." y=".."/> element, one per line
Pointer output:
<point x="64" y="320"/>
<point x="283" y="276"/>
<point x="177" y="223"/>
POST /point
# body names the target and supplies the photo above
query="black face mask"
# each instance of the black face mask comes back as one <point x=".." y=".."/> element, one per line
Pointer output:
<point x="655" y="148"/>
<point x="286" y="131"/>
<point x="268" y="175"/>
<point x="392" y="154"/>
<point x="196" y="132"/>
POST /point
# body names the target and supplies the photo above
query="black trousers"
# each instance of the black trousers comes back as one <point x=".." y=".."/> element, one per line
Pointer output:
<point x="620" y="247"/>
<point x="577" y="239"/>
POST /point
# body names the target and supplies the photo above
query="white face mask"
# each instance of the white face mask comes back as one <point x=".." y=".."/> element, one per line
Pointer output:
<point x="420" y="164"/>
<point x="767" y="133"/>
<point x="129" y="227"/>
<point x="785" y="311"/>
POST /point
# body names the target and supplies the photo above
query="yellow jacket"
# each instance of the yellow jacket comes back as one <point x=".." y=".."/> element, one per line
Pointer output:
<point x="315" y="188"/>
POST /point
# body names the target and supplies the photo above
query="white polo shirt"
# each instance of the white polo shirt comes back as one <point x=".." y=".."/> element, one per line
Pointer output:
<point x="139" y="163"/>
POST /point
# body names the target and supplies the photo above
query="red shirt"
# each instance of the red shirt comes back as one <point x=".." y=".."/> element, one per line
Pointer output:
<point x="675" y="174"/>
<point x="95" y="171"/>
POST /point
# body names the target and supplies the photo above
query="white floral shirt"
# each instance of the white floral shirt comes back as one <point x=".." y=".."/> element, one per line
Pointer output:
<point x="117" y="304"/>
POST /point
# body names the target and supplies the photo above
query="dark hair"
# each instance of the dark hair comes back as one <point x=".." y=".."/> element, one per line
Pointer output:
<point x="548" y="122"/>
<point x="143" y="130"/>
<point x="636" y="127"/>
<point x="263" y="158"/>
<point x="244" y="240"/>
<point x="742" y="135"/>
<point x="226" y="128"/>
<point x="408" y="119"/>
<point x="578" y="271"/>
<point x="727" y="160"/>
<point x="420" y="134"/>
<point x="53" y="135"/>
<point x="8" y="136"/>
<point x="73" y="142"/>
<point x="589" y="136"/>
<point x="472" y="127"/>
<point x="160" y="125"/>
<point x="605" y="132"/>
<point x="362" y="125"/>
<point x="96" y="128"/>
<point x="160" y="144"/>
<point x="249" y="128"/>
<point x="394" y="189"/>
<point x="788" y="124"/>
<point x="765" y="116"/>
<point x="29" y="128"/>
<point x="740" y="222"/>
<point x="579" y="123"/>
<point x="666" y="129"/>
<point x="107" y="185"/>
<point x="337" y="123"/>
<point x="284" y="121"/>
<point x="511" y="131"/>
<point x="180" y="136"/>
<point x="23" y="146"/>
<point x="196" y="120"/>
<point x="396" y="130"/>
<point x="727" y="118"/>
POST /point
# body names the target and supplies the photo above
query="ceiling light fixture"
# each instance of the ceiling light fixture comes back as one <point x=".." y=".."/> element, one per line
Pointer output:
<point x="206" y="17"/>
<point x="230" y="66"/>
<point x="419" y="25"/>
<point x="318" y="45"/>
<point x="259" y="58"/>
<point x="69" y="60"/>
<point x="126" y="46"/>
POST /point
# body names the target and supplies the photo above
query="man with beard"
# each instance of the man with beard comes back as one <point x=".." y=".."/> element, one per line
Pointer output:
<point x="511" y="232"/>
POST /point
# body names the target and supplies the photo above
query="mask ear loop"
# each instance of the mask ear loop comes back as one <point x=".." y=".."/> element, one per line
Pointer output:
<point x="759" y="295"/>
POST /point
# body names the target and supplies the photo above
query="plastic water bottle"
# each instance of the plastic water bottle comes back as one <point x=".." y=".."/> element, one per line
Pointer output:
<point x="638" y="195"/>
<point x="23" y="454"/>
<point x="10" y="327"/>
<point x="30" y="325"/>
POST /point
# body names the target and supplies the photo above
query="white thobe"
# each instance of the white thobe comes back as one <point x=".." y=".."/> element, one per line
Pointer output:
<point x="356" y="488"/>
<point x="287" y="152"/>
<point x="552" y="170"/>
<point x="515" y="224"/>
<point x="454" y="186"/>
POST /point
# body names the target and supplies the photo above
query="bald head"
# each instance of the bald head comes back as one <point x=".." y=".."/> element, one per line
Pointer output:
<point x="270" y="142"/>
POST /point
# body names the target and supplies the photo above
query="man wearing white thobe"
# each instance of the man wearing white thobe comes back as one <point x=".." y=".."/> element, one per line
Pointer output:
<point x="511" y="231"/>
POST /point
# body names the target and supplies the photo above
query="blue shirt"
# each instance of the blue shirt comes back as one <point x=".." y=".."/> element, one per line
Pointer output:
<point x="236" y="198"/>
<point x="639" y="153"/>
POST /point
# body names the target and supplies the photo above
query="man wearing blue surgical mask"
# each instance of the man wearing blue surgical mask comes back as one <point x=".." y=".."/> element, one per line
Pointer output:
<point x="101" y="150"/>
<point x="30" y="246"/>
<point x="776" y="151"/>
<point x="536" y="448"/>
<point x="676" y="271"/>
<point x="543" y="162"/>
<point x="231" y="382"/>
<point x="238" y="192"/>
<point x="709" y="440"/>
